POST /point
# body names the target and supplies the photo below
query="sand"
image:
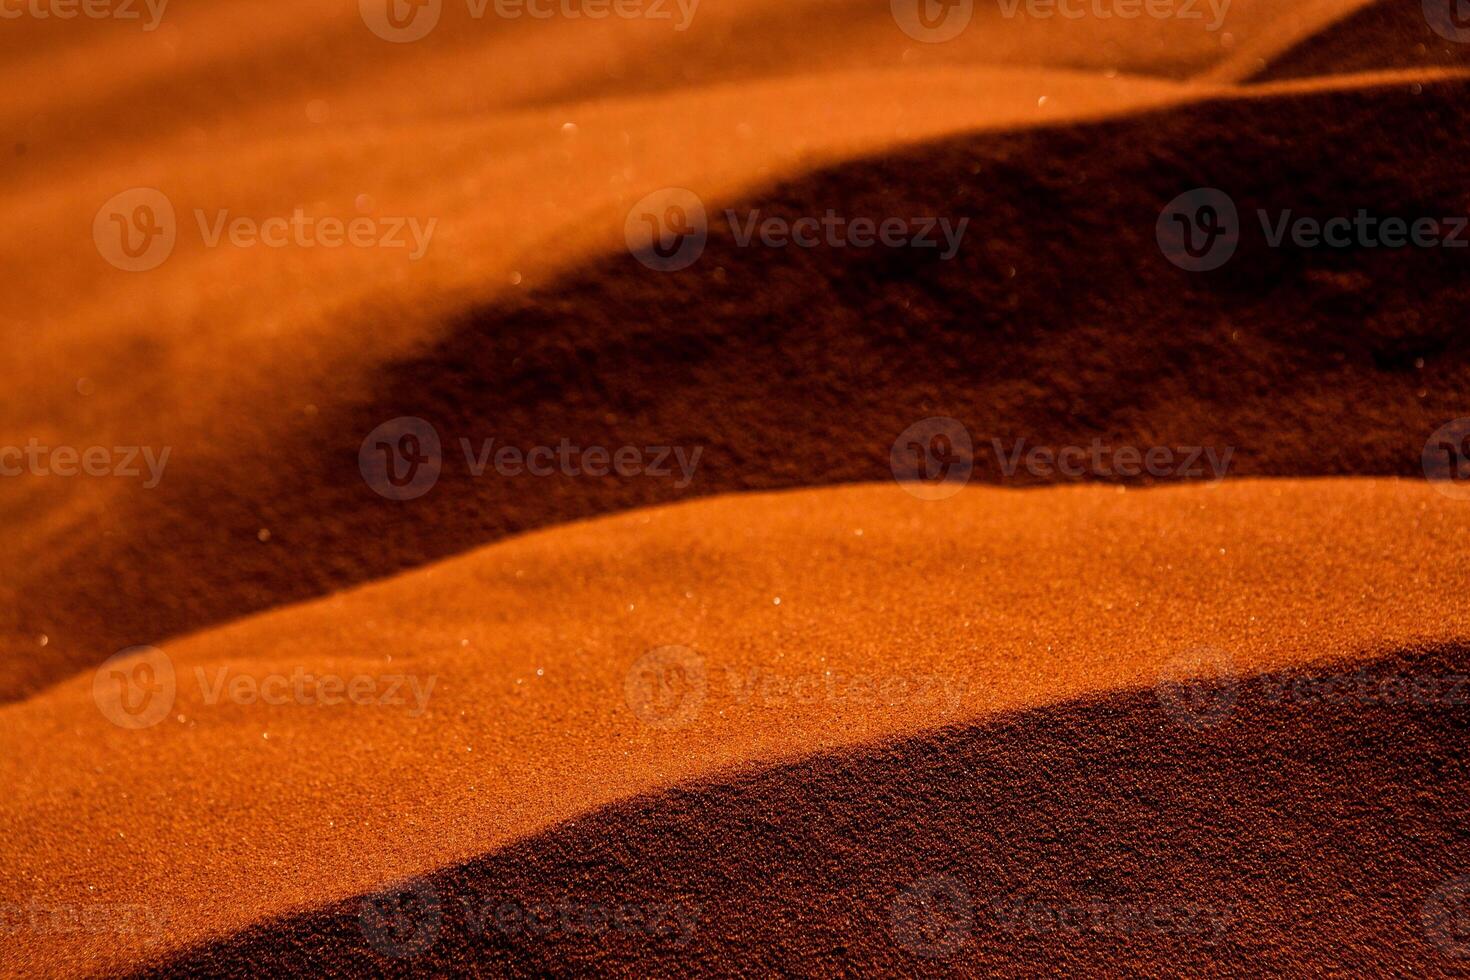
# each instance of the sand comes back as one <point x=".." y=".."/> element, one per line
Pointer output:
<point x="1306" y="362"/>
<point x="791" y="716"/>
<point x="985" y="604"/>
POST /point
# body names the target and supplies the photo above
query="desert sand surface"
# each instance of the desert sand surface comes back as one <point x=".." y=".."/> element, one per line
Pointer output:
<point x="265" y="409"/>
<point x="794" y="717"/>
<point x="539" y="711"/>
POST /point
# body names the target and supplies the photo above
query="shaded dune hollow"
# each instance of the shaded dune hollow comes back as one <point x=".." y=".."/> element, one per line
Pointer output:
<point x="1295" y="823"/>
<point x="1058" y="322"/>
<point x="1386" y="34"/>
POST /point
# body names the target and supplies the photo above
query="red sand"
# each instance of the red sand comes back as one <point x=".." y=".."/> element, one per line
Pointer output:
<point x="621" y="710"/>
<point x="807" y="365"/>
<point x="1013" y="599"/>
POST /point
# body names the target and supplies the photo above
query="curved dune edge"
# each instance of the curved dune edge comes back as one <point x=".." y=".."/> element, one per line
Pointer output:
<point x="1297" y="26"/>
<point x="1299" y="822"/>
<point x="543" y="709"/>
<point x="1061" y="249"/>
<point x="227" y="69"/>
<point x="1379" y="35"/>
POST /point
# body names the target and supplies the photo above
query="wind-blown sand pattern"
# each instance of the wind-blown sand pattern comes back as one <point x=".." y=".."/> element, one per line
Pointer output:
<point x="265" y="710"/>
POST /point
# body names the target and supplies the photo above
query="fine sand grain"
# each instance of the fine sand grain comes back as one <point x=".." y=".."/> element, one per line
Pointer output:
<point x="545" y="705"/>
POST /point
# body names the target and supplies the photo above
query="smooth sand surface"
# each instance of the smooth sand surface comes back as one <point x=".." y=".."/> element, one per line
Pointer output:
<point x="987" y="602"/>
<point x="793" y="708"/>
<point x="1021" y="335"/>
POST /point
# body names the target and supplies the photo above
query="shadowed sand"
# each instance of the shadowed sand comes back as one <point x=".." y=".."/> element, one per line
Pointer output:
<point x="1302" y="823"/>
<point x="1382" y="34"/>
<point x="895" y="617"/>
<point x="1058" y="321"/>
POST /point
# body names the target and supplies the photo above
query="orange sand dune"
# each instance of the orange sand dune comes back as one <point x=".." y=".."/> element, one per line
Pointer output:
<point x="780" y="625"/>
<point x="1308" y="824"/>
<point x="1059" y="321"/>
<point x="1381" y="34"/>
